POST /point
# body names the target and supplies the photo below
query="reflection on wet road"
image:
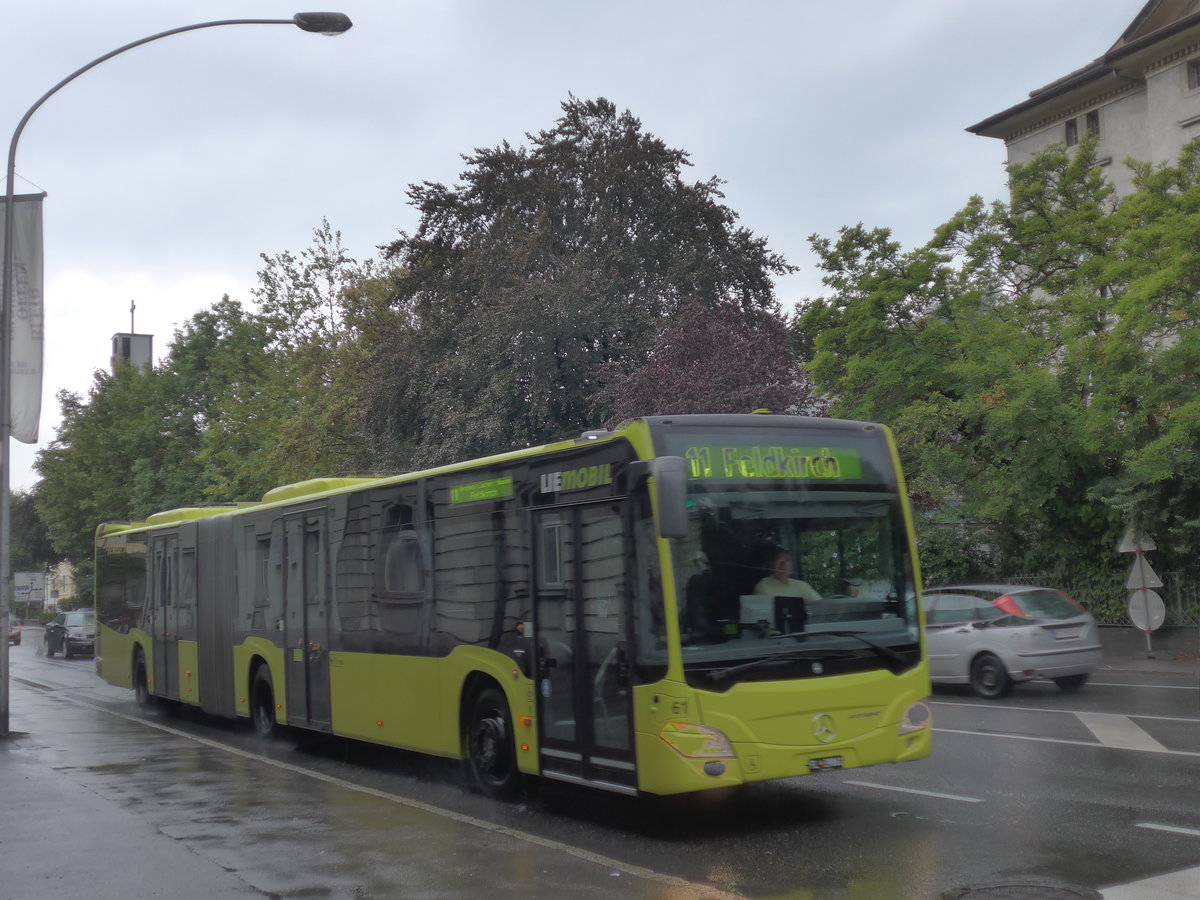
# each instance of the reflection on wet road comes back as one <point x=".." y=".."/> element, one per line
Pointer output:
<point x="1044" y="785"/>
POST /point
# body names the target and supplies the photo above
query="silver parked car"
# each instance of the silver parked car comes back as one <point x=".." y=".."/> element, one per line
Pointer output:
<point x="992" y="636"/>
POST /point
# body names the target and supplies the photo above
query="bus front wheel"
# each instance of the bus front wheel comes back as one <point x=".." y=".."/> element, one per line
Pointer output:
<point x="262" y="702"/>
<point x="491" y="751"/>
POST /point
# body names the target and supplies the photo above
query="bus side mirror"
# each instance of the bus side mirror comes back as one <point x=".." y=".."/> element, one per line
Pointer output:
<point x="670" y="493"/>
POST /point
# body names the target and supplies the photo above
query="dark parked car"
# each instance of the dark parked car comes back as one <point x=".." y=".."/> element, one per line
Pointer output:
<point x="71" y="632"/>
<point x="992" y="636"/>
<point x="14" y="629"/>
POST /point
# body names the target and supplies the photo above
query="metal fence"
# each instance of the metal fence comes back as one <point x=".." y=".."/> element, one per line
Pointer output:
<point x="1107" y="598"/>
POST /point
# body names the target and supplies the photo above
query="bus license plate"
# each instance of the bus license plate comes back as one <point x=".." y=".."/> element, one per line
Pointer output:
<point x="823" y="763"/>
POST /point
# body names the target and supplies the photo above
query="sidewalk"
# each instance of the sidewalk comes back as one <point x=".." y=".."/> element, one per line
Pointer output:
<point x="96" y="806"/>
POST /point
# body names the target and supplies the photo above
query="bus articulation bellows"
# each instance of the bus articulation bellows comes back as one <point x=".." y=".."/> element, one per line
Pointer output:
<point x="682" y="603"/>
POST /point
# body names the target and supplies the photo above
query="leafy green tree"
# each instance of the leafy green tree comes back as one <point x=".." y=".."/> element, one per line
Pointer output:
<point x="989" y="350"/>
<point x="221" y="393"/>
<point x="321" y="309"/>
<point x="100" y="466"/>
<point x="547" y="264"/>
<point x="148" y="440"/>
<point x="29" y="545"/>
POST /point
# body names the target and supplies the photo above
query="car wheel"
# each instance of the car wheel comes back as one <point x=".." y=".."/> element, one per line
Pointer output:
<point x="491" y="752"/>
<point x="66" y="650"/>
<point x="262" y="702"/>
<point x="49" y="652"/>
<point x="1071" y="682"/>
<point x="989" y="678"/>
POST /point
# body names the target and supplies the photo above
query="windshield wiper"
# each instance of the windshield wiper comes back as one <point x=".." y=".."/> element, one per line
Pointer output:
<point x="722" y="674"/>
<point x="880" y="649"/>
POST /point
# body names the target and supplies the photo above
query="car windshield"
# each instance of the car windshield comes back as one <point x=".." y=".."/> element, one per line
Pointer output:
<point x="1046" y="604"/>
<point x="81" y="617"/>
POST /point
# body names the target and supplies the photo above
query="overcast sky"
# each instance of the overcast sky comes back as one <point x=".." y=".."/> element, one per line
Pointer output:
<point x="170" y="168"/>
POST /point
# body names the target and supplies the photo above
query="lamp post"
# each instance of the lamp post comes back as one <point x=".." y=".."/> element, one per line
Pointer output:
<point x="327" y="23"/>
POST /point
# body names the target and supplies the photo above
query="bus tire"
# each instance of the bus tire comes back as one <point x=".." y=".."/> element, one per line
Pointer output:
<point x="989" y="678"/>
<point x="141" y="682"/>
<point x="491" y="750"/>
<point x="262" y="702"/>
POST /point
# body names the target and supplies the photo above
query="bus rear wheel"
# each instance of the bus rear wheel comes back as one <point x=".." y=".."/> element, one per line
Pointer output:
<point x="262" y="702"/>
<point x="491" y="751"/>
<point x="141" y="682"/>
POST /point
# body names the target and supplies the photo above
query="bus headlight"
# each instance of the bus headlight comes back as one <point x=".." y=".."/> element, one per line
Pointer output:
<point x="916" y="718"/>
<point x="696" y="741"/>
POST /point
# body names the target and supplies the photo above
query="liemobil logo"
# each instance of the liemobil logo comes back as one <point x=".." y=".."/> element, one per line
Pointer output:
<point x="576" y="479"/>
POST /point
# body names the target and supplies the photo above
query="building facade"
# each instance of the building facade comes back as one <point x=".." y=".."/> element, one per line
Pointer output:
<point x="1141" y="98"/>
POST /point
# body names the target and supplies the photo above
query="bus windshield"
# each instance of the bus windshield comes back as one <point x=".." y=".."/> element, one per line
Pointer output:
<point x="785" y="558"/>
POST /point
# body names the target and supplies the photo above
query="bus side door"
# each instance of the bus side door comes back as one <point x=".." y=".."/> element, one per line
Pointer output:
<point x="163" y="616"/>
<point x="583" y="675"/>
<point x="306" y="619"/>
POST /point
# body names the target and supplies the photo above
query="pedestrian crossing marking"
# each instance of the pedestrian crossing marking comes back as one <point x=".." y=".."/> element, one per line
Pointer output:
<point x="1118" y="731"/>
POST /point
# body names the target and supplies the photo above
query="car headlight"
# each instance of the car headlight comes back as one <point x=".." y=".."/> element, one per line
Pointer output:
<point x="696" y="741"/>
<point x="917" y="717"/>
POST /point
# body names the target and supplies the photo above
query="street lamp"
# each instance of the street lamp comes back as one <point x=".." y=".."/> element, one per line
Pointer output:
<point x="328" y="23"/>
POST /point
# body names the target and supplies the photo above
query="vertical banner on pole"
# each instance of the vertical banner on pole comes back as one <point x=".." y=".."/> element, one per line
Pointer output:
<point x="27" y="317"/>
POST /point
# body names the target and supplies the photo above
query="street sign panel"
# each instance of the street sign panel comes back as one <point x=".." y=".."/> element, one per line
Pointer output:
<point x="1135" y="543"/>
<point x="1147" y="610"/>
<point x="1141" y="575"/>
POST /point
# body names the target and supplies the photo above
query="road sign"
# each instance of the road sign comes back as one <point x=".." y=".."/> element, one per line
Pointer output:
<point x="29" y="587"/>
<point x="1135" y="543"/>
<point x="1141" y="575"/>
<point x="1146" y="607"/>
<point x="1147" y="610"/>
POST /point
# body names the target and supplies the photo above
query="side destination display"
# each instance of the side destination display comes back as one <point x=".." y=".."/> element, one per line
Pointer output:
<point x="492" y="489"/>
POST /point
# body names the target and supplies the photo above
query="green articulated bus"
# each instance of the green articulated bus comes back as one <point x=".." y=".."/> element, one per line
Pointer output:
<point x="682" y="603"/>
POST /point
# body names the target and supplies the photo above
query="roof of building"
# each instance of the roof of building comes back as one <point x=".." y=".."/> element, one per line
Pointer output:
<point x="1157" y="22"/>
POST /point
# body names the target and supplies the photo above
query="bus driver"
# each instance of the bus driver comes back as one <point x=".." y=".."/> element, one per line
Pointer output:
<point x="779" y="581"/>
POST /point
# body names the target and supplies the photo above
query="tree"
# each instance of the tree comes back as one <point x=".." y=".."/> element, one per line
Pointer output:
<point x="728" y="360"/>
<point x="29" y="545"/>
<point x="148" y="440"/>
<point x="993" y="352"/>
<point x="321" y="311"/>
<point x="544" y="267"/>
<point x="102" y="462"/>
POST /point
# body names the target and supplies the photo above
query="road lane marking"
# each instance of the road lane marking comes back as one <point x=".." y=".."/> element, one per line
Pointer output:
<point x="1069" y="712"/>
<point x="1161" y="687"/>
<point x="1048" y="740"/>
<point x="1118" y="731"/>
<point x="1175" y="829"/>
<point x="903" y="790"/>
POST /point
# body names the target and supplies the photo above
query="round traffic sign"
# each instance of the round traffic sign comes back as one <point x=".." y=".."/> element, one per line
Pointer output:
<point x="1147" y="609"/>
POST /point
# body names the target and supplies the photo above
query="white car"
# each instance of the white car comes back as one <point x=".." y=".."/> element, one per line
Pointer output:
<point x="992" y="636"/>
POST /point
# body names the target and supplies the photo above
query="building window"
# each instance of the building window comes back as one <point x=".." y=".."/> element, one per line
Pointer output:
<point x="1092" y="122"/>
<point x="1193" y="73"/>
<point x="1072" y="133"/>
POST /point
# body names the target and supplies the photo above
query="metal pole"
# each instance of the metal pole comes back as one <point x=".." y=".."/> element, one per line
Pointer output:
<point x="319" y="23"/>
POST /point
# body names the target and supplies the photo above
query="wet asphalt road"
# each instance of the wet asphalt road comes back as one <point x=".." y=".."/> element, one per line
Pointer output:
<point x="1071" y="790"/>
